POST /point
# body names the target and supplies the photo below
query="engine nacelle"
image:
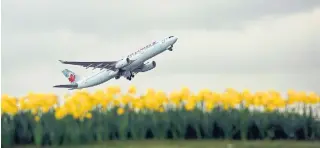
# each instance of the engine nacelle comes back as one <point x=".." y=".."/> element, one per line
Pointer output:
<point x="148" y="66"/>
<point x="122" y="63"/>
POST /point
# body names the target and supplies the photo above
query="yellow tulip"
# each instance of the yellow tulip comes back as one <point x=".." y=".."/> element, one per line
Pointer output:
<point x="226" y="106"/>
<point x="150" y="92"/>
<point x="4" y="96"/>
<point x="81" y="102"/>
<point x="37" y="118"/>
<point x="132" y="90"/>
<point x="137" y="104"/>
<point x="246" y="92"/>
<point x="76" y="115"/>
<point x="231" y="91"/>
<point x="120" y="111"/>
<point x="202" y="93"/>
<point x="116" y="102"/>
<point x="60" y="112"/>
<point x="256" y="102"/>
<point x="161" y="109"/>
<point x="185" y="92"/>
<point x="89" y="115"/>
<point x="45" y="109"/>
<point x="190" y="105"/>
<point x="209" y="106"/>
<point x="270" y="108"/>
<point x="34" y="111"/>
<point x="314" y="98"/>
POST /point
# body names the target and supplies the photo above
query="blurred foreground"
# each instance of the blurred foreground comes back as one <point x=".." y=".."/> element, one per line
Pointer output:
<point x="196" y="144"/>
<point x="105" y="115"/>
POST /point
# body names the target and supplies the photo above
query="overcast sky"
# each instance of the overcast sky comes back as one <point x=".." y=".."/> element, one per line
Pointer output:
<point x="254" y="44"/>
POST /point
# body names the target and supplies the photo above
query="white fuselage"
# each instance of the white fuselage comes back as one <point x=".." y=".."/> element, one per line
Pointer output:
<point x="138" y="59"/>
<point x="97" y="78"/>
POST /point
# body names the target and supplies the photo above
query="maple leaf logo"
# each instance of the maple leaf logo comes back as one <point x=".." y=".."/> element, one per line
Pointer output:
<point x="72" y="77"/>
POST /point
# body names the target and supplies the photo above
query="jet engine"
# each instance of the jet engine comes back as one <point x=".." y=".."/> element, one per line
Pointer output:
<point x="148" y="66"/>
<point x="122" y="63"/>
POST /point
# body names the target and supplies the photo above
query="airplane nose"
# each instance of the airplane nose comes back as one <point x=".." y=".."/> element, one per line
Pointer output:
<point x="175" y="40"/>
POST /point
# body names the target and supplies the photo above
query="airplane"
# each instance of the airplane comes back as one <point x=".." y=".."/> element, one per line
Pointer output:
<point x="127" y="67"/>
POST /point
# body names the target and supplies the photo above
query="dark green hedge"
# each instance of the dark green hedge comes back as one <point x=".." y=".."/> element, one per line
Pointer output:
<point x="218" y="124"/>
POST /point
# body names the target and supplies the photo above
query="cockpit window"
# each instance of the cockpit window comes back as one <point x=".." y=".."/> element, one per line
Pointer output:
<point x="170" y="37"/>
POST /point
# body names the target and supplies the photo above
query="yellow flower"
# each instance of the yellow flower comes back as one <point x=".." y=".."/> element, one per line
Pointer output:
<point x="59" y="114"/>
<point x="45" y="109"/>
<point x="89" y="115"/>
<point x="34" y="111"/>
<point x="132" y="90"/>
<point x="256" y="101"/>
<point x="161" y="109"/>
<point x="279" y="102"/>
<point x="137" y="104"/>
<point x="209" y="106"/>
<point x="185" y="92"/>
<point x="116" y="102"/>
<point x="226" y="106"/>
<point x="175" y="98"/>
<point x="231" y="91"/>
<point x="81" y="102"/>
<point x="151" y="103"/>
<point x="190" y="105"/>
<point x="113" y="90"/>
<point x="4" y="96"/>
<point x="150" y="92"/>
<point x="76" y="115"/>
<point x="120" y="111"/>
<point x="270" y="108"/>
<point x="292" y="97"/>
<point x="37" y="118"/>
<point x="313" y="98"/>
<point x="202" y="93"/>
<point x="246" y="93"/>
<point x="125" y="99"/>
<point x="274" y="93"/>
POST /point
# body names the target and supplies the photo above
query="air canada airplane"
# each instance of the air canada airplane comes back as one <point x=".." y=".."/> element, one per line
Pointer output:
<point x="127" y="67"/>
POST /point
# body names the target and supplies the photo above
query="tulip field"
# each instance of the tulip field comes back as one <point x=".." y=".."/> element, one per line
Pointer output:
<point x="113" y="114"/>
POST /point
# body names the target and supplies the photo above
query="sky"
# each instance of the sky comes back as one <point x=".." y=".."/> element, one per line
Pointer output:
<point x="250" y="44"/>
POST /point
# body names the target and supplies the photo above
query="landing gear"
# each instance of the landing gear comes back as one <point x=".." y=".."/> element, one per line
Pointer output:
<point x="170" y="48"/>
<point x="131" y="76"/>
<point x="127" y="74"/>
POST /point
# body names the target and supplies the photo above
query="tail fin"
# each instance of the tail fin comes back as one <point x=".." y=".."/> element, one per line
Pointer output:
<point x="72" y="77"/>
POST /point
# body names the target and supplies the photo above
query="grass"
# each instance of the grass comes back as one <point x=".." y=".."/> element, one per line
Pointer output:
<point x="196" y="144"/>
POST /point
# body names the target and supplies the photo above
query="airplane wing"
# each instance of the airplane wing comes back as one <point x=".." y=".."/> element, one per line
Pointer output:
<point x="103" y="64"/>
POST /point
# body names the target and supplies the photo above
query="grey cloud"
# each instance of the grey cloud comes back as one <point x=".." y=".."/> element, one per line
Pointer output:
<point x="304" y="61"/>
<point x="276" y="47"/>
<point x="109" y="18"/>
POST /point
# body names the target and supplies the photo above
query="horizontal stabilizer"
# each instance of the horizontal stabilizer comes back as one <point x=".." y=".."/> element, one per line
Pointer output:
<point x="62" y="61"/>
<point x="67" y="86"/>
